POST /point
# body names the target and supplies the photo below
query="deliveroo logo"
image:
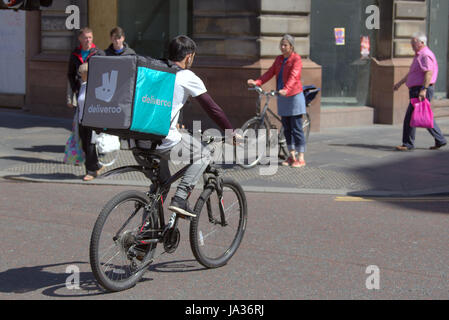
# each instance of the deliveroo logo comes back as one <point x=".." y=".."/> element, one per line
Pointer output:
<point x="107" y="90"/>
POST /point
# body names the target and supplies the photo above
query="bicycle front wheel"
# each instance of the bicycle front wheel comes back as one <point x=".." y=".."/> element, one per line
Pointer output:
<point x="219" y="226"/>
<point x="117" y="261"/>
<point x="257" y="135"/>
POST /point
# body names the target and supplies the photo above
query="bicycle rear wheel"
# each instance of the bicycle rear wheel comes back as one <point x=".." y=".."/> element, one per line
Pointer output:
<point x="306" y="125"/>
<point x="214" y="238"/>
<point x="116" y="262"/>
<point x="256" y="132"/>
<point x="283" y="149"/>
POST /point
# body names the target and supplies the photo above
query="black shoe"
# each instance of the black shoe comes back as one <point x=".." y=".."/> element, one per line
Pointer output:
<point x="181" y="207"/>
<point x="437" y="146"/>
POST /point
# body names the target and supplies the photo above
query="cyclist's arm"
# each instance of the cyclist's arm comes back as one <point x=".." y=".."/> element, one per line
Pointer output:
<point x="214" y="111"/>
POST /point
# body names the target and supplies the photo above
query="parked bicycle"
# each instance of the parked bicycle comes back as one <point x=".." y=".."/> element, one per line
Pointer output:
<point x="262" y="126"/>
<point x="131" y="225"/>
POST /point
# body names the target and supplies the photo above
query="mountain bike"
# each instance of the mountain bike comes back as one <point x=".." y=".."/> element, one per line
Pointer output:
<point x="262" y="127"/>
<point x="132" y="224"/>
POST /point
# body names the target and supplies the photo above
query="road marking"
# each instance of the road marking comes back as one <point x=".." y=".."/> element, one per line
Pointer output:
<point x="386" y="199"/>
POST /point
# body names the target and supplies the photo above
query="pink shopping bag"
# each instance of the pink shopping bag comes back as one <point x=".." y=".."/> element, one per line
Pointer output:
<point x="422" y="116"/>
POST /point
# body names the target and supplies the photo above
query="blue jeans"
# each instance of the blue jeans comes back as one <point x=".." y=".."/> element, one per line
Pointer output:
<point x="409" y="133"/>
<point x="294" y="134"/>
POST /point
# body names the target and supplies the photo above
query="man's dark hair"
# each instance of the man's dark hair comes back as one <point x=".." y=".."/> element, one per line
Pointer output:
<point x="180" y="47"/>
<point x="117" y="32"/>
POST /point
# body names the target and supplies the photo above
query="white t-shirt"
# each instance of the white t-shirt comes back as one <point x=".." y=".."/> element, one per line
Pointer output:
<point x="187" y="84"/>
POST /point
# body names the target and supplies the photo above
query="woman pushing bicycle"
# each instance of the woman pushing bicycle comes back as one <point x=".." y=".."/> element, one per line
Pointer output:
<point x="291" y="102"/>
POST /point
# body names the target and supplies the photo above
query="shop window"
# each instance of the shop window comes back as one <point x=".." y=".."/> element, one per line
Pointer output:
<point x="345" y="80"/>
<point x="438" y="35"/>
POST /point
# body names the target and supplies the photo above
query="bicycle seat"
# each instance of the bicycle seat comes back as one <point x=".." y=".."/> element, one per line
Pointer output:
<point x="144" y="151"/>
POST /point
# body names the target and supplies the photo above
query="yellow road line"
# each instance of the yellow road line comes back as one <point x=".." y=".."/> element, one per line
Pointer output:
<point x="393" y="199"/>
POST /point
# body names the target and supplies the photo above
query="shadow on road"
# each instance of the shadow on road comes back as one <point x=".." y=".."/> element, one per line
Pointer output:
<point x="44" y="177"/>
<point x="414" y="175"/>
<point x="177" y="266"/>
<point x="364" y="146"/>
<point x="32" y="279"/>
<point x="22" y="120"/>
<point x="30" y="160"/>
<point x="29" y="279"/>
<point x="45" y="148"/>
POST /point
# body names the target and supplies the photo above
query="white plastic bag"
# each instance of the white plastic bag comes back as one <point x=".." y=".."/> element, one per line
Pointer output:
<point x="106" y="143"/>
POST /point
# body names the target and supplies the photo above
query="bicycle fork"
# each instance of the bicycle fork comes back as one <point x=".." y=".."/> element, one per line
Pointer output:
<point x="218" y="187"/>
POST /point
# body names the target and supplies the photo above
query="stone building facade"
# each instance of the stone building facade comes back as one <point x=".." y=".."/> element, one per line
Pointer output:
<point x="238" y="40"/>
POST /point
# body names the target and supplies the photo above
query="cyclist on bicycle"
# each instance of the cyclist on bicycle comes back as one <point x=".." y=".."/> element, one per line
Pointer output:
<point x="182" y="53"/>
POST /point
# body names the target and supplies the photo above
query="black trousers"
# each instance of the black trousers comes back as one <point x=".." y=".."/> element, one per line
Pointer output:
<point x="91" y="163"/>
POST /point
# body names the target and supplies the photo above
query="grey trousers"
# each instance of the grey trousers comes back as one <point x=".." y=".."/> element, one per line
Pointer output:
<point x="188" y="151"/>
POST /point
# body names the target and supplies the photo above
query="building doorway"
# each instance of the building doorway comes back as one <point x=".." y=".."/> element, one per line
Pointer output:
<point x="150" y="25"/>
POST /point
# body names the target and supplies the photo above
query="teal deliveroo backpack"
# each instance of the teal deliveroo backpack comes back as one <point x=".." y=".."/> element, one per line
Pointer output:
<point x="130" y="96"/>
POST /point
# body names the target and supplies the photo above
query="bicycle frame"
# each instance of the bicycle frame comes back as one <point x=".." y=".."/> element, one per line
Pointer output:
<point x="211" y="178"/>
<point x="265" y="108"/>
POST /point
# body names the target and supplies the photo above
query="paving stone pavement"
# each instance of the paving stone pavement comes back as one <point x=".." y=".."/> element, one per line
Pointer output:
<point x="350" y="161"/>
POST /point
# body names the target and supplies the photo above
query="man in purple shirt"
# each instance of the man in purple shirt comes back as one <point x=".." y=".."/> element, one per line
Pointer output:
<point x="420" y="80"/>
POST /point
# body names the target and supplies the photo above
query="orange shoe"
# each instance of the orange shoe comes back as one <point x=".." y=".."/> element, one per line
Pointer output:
<point x="298" y="164"/>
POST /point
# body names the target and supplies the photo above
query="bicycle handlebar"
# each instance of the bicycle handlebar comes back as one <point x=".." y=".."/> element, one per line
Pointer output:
<point x="214" y="139"/>
<point x="260" y="91"/>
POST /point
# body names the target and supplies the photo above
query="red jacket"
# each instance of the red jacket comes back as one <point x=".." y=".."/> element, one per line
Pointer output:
<point x="74" y="63"/>
<point x="291" y="74"/>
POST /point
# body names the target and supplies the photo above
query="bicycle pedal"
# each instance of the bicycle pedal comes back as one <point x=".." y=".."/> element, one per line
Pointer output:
<point x="183" y="217"/>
